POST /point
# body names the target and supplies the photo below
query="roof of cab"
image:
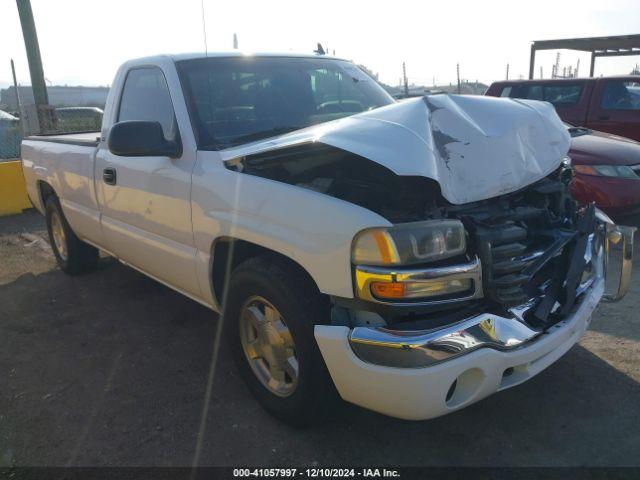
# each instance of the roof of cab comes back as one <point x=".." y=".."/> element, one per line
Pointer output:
<point x="634" y="78"/>
<point x="233" y="53"/>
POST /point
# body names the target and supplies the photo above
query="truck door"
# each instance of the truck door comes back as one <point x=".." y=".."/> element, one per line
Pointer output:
<point x="145" y="201"/>
<point x="616" y="107"/>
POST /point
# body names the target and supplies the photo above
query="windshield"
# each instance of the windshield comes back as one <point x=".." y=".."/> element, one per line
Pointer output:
<point x="242" y="99"/>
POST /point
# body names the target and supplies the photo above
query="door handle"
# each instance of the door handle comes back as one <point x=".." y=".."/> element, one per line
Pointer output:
<point x="109" y="176"/>
<point x="603" y="117"/>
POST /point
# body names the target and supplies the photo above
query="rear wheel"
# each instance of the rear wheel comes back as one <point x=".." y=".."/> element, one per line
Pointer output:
<point x="72" y="254"/>
<point x="270" y="313"/>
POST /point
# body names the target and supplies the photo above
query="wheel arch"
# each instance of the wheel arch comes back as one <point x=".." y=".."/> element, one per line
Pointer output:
<point x="229" y="252"/>
<point x="45" y="190"/>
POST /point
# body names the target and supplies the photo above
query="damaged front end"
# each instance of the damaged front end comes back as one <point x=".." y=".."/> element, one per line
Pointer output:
<point x="533" y="259"/>
<point x="487" y="248"/>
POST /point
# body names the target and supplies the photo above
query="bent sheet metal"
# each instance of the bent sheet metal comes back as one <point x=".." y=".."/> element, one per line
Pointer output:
<point x="474" y="147"/>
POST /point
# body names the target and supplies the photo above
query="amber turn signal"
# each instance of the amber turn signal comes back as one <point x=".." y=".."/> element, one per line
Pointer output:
<point x="422" y="289"/>
<point x="388" y="290"/>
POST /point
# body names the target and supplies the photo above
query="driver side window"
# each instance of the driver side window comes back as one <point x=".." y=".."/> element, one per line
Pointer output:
<point x="145" y="96"/>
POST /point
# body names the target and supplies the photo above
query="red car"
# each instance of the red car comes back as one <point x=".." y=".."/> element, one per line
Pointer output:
<point x="607" y="171"/>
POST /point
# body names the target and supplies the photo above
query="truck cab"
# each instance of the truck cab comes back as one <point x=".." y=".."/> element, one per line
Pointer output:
<point x="607" y="104"/>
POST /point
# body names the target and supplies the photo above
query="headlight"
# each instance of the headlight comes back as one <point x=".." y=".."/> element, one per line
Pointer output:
<point x="409" y="243"/>
<point x="620" y="171"/>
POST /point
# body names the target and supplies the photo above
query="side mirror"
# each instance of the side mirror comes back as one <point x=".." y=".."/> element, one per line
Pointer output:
<point x="137" y="138"/>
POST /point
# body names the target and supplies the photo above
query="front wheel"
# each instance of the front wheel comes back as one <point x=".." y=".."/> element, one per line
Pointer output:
<point x="270" y="313"/>
<point x="72" y="254"/>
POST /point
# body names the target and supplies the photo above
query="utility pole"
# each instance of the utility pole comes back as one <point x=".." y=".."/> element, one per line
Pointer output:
<point x="556" y="68"/>
<point x="23" y="125"/>
<point x="507" y="71"/>
<point x="406" y="81"/>
<point x="15" y="85"/>
<point x="235" y="41"/>
<point x="541" y="76"/>
<point x="458" y="74"/>
<point x="33" y="52"/>
<point x="41" y="117"/>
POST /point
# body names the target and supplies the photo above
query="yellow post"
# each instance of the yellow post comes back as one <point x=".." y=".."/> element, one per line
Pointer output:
<point x="13" y="192"/>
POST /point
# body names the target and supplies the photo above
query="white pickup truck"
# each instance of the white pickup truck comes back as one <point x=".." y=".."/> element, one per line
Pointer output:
<point x="410" y="257"/>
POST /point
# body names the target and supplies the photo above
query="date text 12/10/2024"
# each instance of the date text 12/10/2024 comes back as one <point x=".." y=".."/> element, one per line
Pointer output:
<point x="315" y="473"/>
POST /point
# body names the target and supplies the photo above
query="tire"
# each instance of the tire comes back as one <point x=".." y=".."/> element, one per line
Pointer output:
<point x="274" y="282"/>
<point x="74" y="256"/>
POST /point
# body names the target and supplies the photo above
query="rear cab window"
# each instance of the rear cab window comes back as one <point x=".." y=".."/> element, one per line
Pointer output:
<point x="557" y="94"/>
<point x="562" y="94"/>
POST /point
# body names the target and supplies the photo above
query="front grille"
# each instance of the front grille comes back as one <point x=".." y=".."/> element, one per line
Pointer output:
<point x="508" y="252"/>
<point x="532" y="260"/>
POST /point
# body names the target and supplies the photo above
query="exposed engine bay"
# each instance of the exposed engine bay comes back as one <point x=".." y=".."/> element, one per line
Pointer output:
<point x="347" y="176"/>
<point x="531" y="243"/>
<point x="535" y="247"/>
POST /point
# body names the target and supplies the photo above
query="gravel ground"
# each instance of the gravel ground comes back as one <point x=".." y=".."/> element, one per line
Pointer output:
<point x="111" y="368"/>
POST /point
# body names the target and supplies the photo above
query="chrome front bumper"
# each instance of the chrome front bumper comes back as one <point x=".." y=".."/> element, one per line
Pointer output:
<point x="391" y="348"/>
<point x="423" y="393"/>
<point x="415" y="349"/>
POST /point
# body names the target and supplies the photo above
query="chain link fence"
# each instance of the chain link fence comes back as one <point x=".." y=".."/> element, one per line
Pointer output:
<point x="10" y="136"/>
<point x="72" y="109"/>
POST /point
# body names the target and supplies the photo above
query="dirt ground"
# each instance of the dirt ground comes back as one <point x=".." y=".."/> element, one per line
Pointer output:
<point x="111" y="368"/>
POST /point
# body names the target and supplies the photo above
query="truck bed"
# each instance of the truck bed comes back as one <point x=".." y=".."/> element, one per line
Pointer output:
<point x="87" y="139"/>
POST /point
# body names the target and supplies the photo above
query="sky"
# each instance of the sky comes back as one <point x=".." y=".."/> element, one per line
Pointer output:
<point x="82" y="42"/>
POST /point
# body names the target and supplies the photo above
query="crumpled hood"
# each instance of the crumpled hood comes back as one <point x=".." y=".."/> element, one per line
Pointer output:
<point x="475" y="147"/>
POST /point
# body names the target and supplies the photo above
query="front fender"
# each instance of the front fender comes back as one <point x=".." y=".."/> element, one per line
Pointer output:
<point x="313" y="229"/>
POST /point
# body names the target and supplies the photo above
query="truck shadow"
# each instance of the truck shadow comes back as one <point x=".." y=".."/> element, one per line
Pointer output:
<point x="112" y="368"/>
